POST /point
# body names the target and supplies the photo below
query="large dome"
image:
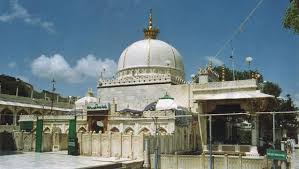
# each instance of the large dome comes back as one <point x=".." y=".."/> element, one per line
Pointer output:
<point x="151" y="60"/>
<point x="150" y="53"/>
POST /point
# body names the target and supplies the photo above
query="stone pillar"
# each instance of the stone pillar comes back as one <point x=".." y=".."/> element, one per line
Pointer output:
<point x="255" y="130"/>
<point x="15" y="118"/>
<point x="202" y="125"/>
<point x="146" y="163"/>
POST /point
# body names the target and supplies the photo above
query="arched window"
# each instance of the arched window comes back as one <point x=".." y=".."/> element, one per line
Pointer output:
<point x="47" y="130"/>
<point x="162" y="131"/>
<point x="56" y="130"/>
<point x="82" y="129"/>
<point x="129" y="130"/>
<point x="145" y="131"/>
<point x="114" y="130"/>
<point x="6" y="117"/>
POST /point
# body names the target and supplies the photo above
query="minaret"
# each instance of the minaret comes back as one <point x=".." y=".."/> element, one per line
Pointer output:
<point x="150" y="32"/>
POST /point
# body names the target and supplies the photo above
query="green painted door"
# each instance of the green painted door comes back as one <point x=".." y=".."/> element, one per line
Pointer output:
<point x="39" y="136"/>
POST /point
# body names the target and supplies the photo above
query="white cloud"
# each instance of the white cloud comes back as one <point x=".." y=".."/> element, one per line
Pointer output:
<point x="214" y="60"/>
<point x="57" y="67"/>
<point x="12" y="64"/>
<point x="17" y="11"/>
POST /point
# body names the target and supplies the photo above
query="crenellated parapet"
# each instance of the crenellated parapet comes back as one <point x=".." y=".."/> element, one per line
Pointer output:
<point x="139" y="79"/>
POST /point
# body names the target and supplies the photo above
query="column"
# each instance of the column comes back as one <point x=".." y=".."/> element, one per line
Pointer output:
<point x="255" y="130"/>
<point x="15" y="117"/>
<point x="202" y="124"/>
<point x="146" y="163"/>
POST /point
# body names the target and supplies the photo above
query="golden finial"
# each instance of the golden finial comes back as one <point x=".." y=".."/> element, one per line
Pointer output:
<point x="150" y="32"/>
<point x="89" y="92"/>
<point x="223" y="73"/>
<point x="150" y="21"/>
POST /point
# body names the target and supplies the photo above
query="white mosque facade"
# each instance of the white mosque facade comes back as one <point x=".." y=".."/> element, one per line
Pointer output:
<point x="149" y="96"/>
<point x="150" y="69"/>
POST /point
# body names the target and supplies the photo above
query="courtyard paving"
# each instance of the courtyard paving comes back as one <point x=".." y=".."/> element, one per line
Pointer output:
<point x="54" y="160"/>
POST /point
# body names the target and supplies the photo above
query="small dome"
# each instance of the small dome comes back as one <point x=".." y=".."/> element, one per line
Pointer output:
<point x="166" y="103"/>
<point x="86" y="100"/>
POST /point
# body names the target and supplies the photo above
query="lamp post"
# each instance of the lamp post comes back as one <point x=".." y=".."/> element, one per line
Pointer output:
<point x="248" y="61"/>
<point x="17" y="90"/>
<point x="52" y="97"/>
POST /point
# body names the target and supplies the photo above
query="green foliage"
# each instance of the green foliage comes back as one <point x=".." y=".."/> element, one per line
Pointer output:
<point x="276" y="104"/>
<point x="291" y="19"/>
<point x="271" y="88"/>
<point x="239" y="74"/>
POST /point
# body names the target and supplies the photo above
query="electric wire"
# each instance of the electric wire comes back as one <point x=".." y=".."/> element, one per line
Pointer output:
<point x="239" y="29"/>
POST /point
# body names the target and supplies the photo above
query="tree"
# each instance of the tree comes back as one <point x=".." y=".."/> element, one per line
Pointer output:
<point x="291" y="19"/>
<point x="270" y="88"/>
<point x="276" y="104"/>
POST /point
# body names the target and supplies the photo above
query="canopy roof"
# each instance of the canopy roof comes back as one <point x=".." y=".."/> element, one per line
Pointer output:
<point x="233" y="95"/>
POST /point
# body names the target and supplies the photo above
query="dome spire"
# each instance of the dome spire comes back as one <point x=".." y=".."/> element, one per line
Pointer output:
<point x="150" y="32"/>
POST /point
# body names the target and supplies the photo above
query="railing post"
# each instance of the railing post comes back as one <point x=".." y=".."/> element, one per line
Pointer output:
<point x="202" y="161"/>
<point x="225" y="161"/>
<point x="176" y="160"/>
<point x="240" y="161"/>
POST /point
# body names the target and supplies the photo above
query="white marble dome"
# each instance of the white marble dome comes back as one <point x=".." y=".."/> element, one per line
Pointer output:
<point x="150" y="53"/>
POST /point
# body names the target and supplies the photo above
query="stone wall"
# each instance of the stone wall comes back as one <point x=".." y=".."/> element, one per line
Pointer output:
<point x="111" y="145"/>
<point x="202" y="162"/>
<point x="25" y="141"/>
<point x="134" y="97"/>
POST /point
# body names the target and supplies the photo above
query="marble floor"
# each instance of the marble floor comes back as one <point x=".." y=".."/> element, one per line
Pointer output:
<point x="51" y="160"/>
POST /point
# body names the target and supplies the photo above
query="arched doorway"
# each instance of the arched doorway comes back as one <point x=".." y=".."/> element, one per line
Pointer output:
<point x="6" y="117"/>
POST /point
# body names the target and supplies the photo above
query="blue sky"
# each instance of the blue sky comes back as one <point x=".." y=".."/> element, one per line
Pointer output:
<point x="73" y="41"/>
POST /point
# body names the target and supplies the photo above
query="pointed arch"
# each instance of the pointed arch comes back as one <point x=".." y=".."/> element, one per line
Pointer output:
<point x="114" y="130"/>
<point x="21" y="112"/>
<point x="56" y="130"/>
<point x="129" y="130"/>
<point x="6" y="117"/>
<point x="162" y="131"/>
<point x="37" y="112"/>
<point x="82" y="130"/>
<point x="47" y="130"/>
<point x="144" y="131"/>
